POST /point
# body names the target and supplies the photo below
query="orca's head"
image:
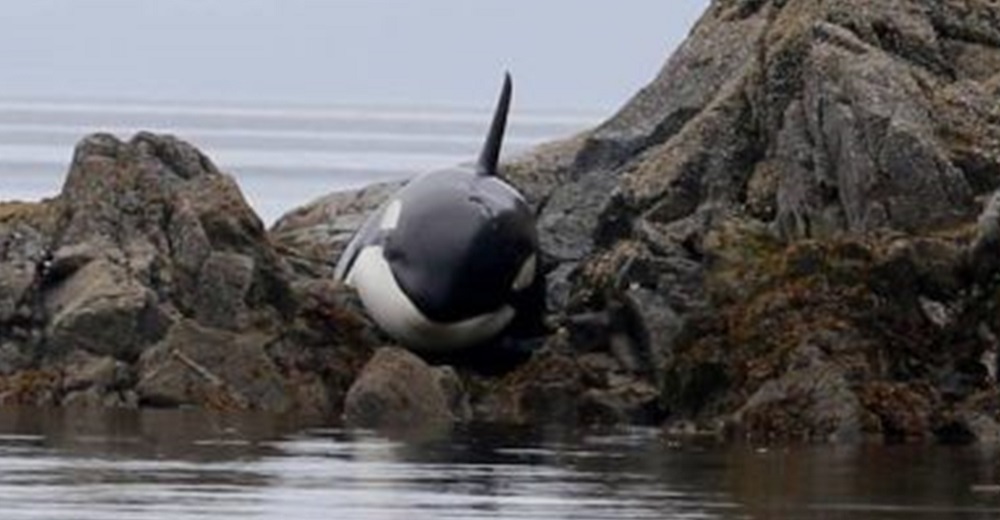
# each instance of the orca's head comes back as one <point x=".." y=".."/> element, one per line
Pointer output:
<point x="460" y="244"/>
<point x="457" y="247"/>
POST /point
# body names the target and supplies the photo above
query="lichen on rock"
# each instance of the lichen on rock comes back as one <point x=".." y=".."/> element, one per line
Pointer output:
<point x="151" y="261"/>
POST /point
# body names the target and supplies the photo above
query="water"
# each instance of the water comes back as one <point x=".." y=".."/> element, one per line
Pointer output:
<point x="189" y="465"/>
<point x="282" y="157"/>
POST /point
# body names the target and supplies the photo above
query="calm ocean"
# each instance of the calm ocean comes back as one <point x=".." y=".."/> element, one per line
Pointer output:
<point x="282" y="156"/>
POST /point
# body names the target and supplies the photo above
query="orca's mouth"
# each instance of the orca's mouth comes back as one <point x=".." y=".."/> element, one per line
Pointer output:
<point x="451" y="295"/>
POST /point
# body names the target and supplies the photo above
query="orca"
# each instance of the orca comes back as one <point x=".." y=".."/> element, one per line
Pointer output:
<point x="451" y="260"/>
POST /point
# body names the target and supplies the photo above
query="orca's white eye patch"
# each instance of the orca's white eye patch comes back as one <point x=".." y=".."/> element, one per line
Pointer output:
<point x="390" y="218"/>
<point x="526" y="275"/>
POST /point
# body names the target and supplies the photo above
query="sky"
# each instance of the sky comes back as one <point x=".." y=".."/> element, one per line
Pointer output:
<point x="581" y="55"/>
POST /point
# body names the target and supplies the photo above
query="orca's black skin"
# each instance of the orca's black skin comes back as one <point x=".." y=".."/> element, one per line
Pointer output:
<point x="460" y="240"/>
<point x="459" y="245"/>
<point x="490" y="155"/>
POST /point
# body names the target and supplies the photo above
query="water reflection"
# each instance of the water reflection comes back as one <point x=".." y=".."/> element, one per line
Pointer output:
<point x="194" y="465"/>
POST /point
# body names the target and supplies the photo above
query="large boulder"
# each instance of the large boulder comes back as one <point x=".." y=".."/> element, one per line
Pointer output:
<point x="150" y="262"/>
<point x="399" y="392"/>
<point x="161" y="226"/>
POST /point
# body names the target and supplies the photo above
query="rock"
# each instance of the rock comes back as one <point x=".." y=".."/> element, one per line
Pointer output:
<point x="559" y="286"/>
<point x="825" y="117"/>
<point x="903" y="412"/>
<point x="658" y="327"/>
<point x="548" y="389"/>
<point x="399" y="392"/>
<point x="103" y="310"/>
<point x="159" y="209"/>
<point x="540" y="171"/>
<point x="314" y="235"/>
<point x="12" y="359"/>
<point x="22" y="252"/>
<point x="194" y="365"/>
<point x="560" y="386"/>
<point x="25" y="237"/>
<point x="984" y="251"/>
<point x="142" y="222"/>
<point x="30" y="387"/>
<point x="566" y="226"/>
<point x="85" y="371"/>
<point x="223" y="289"/>
<point x="96" y="382"/>
<point x="150" y="281"/>
<point x="813" y="400"/>
<point x="630" y="401"/>
<point x="773" y="124"/>
<point x="975" y="420"/>
<point x="716" y="54"/>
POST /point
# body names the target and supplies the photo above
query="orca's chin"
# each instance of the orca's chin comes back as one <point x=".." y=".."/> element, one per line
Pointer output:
<point x="395" y="313"/>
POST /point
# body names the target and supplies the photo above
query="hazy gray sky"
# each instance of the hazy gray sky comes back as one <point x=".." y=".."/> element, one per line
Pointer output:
<point x="565" y="54"/>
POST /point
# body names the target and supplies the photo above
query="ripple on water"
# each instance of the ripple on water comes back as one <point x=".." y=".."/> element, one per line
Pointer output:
<point x="197" y="466"/>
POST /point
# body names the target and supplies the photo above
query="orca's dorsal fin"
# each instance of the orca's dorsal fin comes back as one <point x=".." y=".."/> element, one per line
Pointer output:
<point x="490" y="155"/>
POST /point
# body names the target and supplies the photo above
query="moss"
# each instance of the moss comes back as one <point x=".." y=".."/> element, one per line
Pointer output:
<point x="603" y="274"/>
<point x="545" y="390"/>
<point x="36" y="214"/>
<point x="904" y="411"/>
<point x="691" y="389"/>
<point x="30" y="388"/>
<point x="855" y="298"/>
<point x="784" y="420"/>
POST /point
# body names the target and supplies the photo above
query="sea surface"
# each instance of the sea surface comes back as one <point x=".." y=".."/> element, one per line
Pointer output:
<point x="188" y="465"/>
<point x="282" y="156"/>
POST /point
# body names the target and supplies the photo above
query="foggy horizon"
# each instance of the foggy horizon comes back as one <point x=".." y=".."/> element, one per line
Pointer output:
<point x="563" y="55"/>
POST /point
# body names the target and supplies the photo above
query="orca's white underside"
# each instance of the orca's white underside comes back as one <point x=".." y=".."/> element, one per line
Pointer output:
<point x="389" y="306"/>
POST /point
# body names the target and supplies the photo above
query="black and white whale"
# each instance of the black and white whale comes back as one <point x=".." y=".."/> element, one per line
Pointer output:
<point x="450" y="261"/>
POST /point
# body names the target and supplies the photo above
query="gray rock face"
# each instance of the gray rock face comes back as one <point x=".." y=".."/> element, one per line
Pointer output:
<point x="572" y="213"/>
<point x="101" y="310"/>
<point x="314" y="235"/>
<point x="872" y="123"/>
<point x="152" y="232"/>
<point x="813" y="401"/>
<point x="703" y="66"/>
<point x="774" y="123"/>
<point x="397" y="391"/>
<point x="22" y="251"/>
<point x="816" y="118"/>
<point x="150" y="262"/>
<point x="197" y="365"/>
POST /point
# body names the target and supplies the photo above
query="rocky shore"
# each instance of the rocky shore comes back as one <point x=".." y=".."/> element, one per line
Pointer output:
<point x="793" y="233"/>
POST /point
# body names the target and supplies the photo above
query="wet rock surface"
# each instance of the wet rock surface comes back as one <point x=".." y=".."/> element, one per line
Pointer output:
<point x="398" y="391"/>
<point x="790" y="234"/>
